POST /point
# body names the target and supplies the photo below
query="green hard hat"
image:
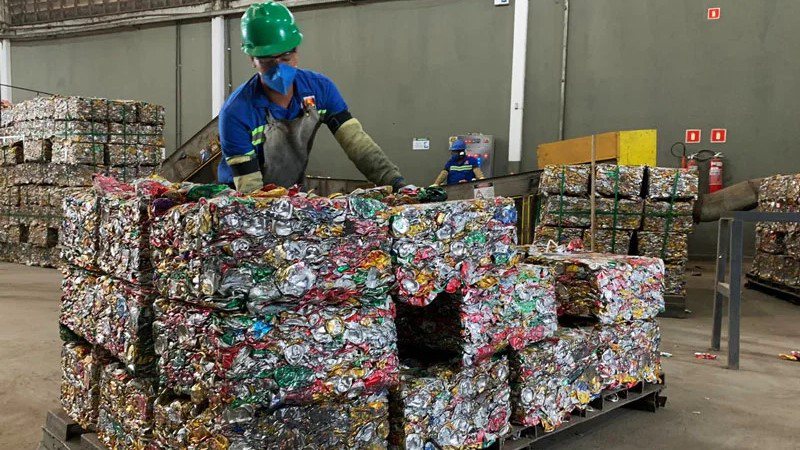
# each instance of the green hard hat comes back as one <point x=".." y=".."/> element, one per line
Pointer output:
<point x="268" y="29"/>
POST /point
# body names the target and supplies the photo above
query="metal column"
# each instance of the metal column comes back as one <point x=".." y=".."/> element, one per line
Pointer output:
<point x="729" y="265"/>
<point x="5" y="69"/>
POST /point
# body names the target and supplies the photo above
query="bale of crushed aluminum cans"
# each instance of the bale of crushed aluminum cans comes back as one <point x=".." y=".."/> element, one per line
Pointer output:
<point x="358" y="423"/>
<point x="571" y="180"/>
<point x="264" y="250"/>
<point x="112" y="314"/>
<point x="779" y="269"/>
<point x="81" y="364"/>
<point x="447" y="407"/>
<point x="552" y="378"/>
<point x="630" y="353"/>
<point x="37" y="150"/>
<point x="666" y="216"/>
<point x="619" y="214"/>
<point x="563" y="211"/>
<point x="672" y="183"/>
<point x="771" y="237"/>
<point x="289" y="354"/>
<point x="125" y="411"/>
<point x="73" y="152"/>
<point x="508" y="308"/>
<point x="612" y="288"/>
<point x="440" y="247"/>
<point x="623" y="214"/>
<point x="612" y="241"/>
<point x="78" y="234"/>
<point x="675" y="279"/>
<point x="673" y="248"/>
<point x="618" y="181"/>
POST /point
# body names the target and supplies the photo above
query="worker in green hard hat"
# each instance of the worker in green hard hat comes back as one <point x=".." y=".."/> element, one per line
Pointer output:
<point x="267" y="125"/>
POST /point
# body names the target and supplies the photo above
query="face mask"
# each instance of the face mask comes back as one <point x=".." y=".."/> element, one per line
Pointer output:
<point x="280" y="77"/>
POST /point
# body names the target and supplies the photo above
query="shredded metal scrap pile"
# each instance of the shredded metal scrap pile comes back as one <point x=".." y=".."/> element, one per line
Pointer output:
<point x="62" y="142"/>
<point x="612" y="288"/>
<point x="508" y="308"/>
<point x="444" y="406"/>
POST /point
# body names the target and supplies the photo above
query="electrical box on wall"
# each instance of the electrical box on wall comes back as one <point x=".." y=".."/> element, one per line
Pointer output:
<point x="480" y="146"/>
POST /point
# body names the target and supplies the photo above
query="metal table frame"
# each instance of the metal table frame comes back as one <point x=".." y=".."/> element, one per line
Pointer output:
<point x="729" y="254"/>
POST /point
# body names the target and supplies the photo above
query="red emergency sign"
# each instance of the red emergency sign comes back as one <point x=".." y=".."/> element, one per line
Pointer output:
<point x="714" y="13"/>
<point x="692" y="136"/>
<point x="719" y="135"/>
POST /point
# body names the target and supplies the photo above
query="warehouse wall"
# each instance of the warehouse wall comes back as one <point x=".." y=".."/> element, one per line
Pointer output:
<point x="431" y="68"/>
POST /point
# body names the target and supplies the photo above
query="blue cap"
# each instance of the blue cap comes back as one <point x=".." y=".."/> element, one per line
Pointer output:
<point x="458" y="145"/>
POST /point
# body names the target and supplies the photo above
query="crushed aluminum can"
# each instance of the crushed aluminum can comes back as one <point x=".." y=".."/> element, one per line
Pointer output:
<point x="448" y="407"/>
<point x="612" y="288"/>
<point x="508" y="308"/>
<point x="552" y="378"/>
<point x="701" y="355"/>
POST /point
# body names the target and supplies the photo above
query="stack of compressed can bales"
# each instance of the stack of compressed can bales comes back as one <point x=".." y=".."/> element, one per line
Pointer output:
<point x="671" y="194"/>
<point x="275" y="327"/>
<point x="566" y="208"/>
<point x="777" y="256"/>
<point x="462" y="299"/>
<point x="615" y="299"/>
<point x="639" y="211"/>
<point x="51" y="146"/>
<point x="108" y="309"/>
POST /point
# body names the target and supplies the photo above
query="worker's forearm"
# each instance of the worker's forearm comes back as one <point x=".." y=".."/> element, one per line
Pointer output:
<point x="366" y="154"/>
<point x="440" y="178"/>
<point x="478" y="173"/>
<point x="246" y="173"/>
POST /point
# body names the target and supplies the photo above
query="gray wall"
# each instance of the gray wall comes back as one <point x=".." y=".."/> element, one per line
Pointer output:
<point x="431" y="68"/>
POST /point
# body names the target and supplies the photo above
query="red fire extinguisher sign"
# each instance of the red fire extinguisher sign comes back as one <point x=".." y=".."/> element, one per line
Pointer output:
<point x="719" y="135"/>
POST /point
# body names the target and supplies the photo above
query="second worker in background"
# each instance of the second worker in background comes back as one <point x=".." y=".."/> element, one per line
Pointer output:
<point x="267" y="125"/>
<point x="460" y="168"/>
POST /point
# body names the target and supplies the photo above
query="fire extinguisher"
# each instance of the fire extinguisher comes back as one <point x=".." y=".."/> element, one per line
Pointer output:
<point x="715" y="173"/>
<point x="691" y="161"/>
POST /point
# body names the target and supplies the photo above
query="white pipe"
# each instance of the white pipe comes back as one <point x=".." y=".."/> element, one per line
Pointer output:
<point x="519" y="54"/>
<point x="563" y="100"/>
<point x="217" y="64"/>
<point x="5" y="69"/>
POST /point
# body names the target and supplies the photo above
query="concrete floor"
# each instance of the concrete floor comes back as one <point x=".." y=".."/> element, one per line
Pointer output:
<point x="708" y="407"/>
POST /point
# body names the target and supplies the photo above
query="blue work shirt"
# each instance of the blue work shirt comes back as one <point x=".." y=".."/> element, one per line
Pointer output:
<point x="461" y="168"/>
<point x="244" y="114"/>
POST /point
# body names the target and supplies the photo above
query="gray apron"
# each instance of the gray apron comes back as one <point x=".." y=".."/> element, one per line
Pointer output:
<point x="287" y="145"/>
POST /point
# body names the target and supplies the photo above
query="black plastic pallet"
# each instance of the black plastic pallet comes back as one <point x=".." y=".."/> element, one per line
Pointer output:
<point x="642" y="396"/>
<point x="778" y="290"/>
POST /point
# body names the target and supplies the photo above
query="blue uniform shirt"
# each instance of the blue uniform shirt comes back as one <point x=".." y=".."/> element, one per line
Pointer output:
<point x="244" y="114"/>
<point x="460" y="168"/>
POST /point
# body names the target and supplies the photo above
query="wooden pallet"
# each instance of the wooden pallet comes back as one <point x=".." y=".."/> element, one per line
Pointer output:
<point x="643" y="396"/>
<point x="60" y="432"/>
<point x="775" y="289"/>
